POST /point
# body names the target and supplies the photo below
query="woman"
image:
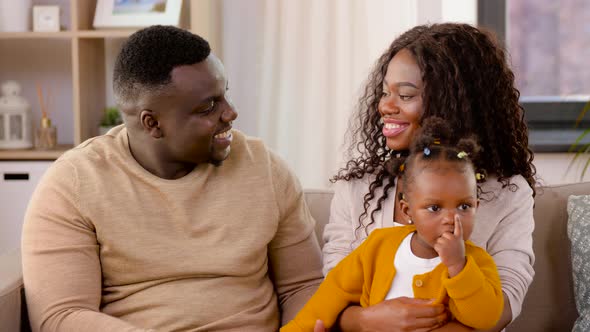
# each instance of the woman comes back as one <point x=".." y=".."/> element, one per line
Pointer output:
<point x="459" y="73"/>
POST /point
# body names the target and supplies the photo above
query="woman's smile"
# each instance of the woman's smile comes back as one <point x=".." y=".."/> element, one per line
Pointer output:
<point x="393" y="128"/>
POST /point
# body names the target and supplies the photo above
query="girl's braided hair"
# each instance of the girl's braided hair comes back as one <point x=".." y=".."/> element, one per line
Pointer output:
<point x="433" y="143"/>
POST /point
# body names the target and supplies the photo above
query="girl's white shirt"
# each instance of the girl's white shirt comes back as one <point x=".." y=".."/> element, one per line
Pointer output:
<point x="407" y="265"/>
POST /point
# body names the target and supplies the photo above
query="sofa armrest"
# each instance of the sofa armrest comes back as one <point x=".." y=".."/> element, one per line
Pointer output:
<point x="11" y="286"/>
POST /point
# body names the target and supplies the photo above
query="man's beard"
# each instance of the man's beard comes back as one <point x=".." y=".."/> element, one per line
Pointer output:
<point x="216" y="163"/>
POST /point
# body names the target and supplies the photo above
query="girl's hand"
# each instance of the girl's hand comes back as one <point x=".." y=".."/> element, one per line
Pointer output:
<point x="451" y="249"/>
<point x="319" y="326"/>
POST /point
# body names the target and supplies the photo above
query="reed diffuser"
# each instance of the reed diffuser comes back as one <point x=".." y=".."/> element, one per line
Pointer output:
<point x="46" y="134"/>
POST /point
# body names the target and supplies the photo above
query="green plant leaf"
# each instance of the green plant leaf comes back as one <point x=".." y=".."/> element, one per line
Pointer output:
<point x="111" y="117"/>
<point x="577" y="141"/>
<point x="582" y="114"/>
<point x="585" y="168"/>
<point x="580" y="150"/>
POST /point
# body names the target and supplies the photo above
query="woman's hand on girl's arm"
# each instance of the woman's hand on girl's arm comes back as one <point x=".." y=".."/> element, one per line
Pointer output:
<point x="502" y="323"/>
<point x="399" y="314"/>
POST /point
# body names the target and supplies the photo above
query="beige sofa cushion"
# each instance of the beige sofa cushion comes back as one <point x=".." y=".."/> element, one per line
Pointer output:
<point x="318" y="202"/>
<point x="549" y="304"/>
<point x="11" y="284"/>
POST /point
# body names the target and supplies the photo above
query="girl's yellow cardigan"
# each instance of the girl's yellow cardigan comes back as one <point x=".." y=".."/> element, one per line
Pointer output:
<point x="474" y="296"/>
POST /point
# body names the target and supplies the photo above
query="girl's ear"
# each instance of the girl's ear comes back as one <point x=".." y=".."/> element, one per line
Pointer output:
<point x="405" y="209"/>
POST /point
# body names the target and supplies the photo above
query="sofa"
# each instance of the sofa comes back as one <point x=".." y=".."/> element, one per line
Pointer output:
<point x="549" y="305"/>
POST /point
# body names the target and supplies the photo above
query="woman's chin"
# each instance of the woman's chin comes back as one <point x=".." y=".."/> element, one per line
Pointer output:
<point x="397" y="144"/>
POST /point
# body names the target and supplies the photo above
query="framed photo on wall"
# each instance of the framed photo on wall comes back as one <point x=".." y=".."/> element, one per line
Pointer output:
<point x="136" y="13"/>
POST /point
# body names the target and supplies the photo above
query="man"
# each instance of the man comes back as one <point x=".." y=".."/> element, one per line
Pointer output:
<point x="174" y="220"/>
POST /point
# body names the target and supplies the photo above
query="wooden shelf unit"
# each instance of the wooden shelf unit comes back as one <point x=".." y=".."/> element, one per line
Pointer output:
<point x="32" y="154"/>
<point x="87" y="64"/>
<point x="36" y="35"/>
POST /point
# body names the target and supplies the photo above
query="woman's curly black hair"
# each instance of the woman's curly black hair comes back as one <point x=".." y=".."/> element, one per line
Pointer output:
<point x="469" y="84"/>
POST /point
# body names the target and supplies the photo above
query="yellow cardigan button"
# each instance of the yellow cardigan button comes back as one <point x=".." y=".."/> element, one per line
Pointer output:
<point x="418" y="283"/>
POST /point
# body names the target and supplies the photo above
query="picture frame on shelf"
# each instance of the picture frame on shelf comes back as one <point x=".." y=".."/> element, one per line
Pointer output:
<point x="136" y="13"/>
<point x="46" y="18"/>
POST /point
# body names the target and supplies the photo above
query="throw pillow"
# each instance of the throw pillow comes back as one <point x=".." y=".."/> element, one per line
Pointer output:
<point x="578" y="230"/>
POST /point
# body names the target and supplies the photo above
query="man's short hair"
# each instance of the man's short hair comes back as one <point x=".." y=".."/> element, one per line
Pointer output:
<point x="147" y="58"/>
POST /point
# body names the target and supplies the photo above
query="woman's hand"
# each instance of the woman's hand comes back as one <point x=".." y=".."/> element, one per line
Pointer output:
<point x="399" y="314"/>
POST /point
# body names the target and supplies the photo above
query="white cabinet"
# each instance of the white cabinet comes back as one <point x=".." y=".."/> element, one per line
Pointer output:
<point x="17" y="183"/>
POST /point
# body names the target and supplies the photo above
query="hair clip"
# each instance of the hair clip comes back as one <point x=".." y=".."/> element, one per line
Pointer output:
<point x="462" y="154"/>
<point x="436" y="141"/>
<point x="402" y="167"/>
<point x="426" y="151"/>
<point x="480" y="176"/>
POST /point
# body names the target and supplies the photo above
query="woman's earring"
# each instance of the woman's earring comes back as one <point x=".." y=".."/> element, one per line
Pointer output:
<point x="410" y="221"/>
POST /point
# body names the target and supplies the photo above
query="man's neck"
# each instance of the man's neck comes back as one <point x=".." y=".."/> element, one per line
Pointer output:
<point x="155" y="162"/>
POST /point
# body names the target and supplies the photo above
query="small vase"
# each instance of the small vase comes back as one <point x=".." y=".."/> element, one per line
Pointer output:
<point x="46" y="135"/>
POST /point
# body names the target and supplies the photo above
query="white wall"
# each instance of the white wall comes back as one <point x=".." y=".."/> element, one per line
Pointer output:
<point x="296" y="68"/>
<point x="112" y="46"/>
<point x="552" y="168"/>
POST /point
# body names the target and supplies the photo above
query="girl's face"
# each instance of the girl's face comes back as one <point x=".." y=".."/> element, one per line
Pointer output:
<point x="400" y="106"/>
<point x="438" y="193"/>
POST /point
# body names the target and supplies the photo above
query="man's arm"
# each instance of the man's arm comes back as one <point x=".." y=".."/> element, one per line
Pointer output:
<point x="294" y="253"/>
<point x="61" y="265"/>
<point x="297" y="273"/>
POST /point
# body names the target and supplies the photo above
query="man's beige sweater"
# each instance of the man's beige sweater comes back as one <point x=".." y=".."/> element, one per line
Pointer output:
<point x="108" y="246"/>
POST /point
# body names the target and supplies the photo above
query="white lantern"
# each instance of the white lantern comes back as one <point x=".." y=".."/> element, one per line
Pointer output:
<point x="15" y="118"/>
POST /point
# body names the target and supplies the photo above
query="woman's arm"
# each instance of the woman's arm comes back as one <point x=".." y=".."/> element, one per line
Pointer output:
<point x="510" y="242"/>
<point x="502" y="323"/>
<point x="400" y="314"/>
<point x="338" y="234"/>
<point x="405" y="312"/>
<point x="505" y="319"/>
